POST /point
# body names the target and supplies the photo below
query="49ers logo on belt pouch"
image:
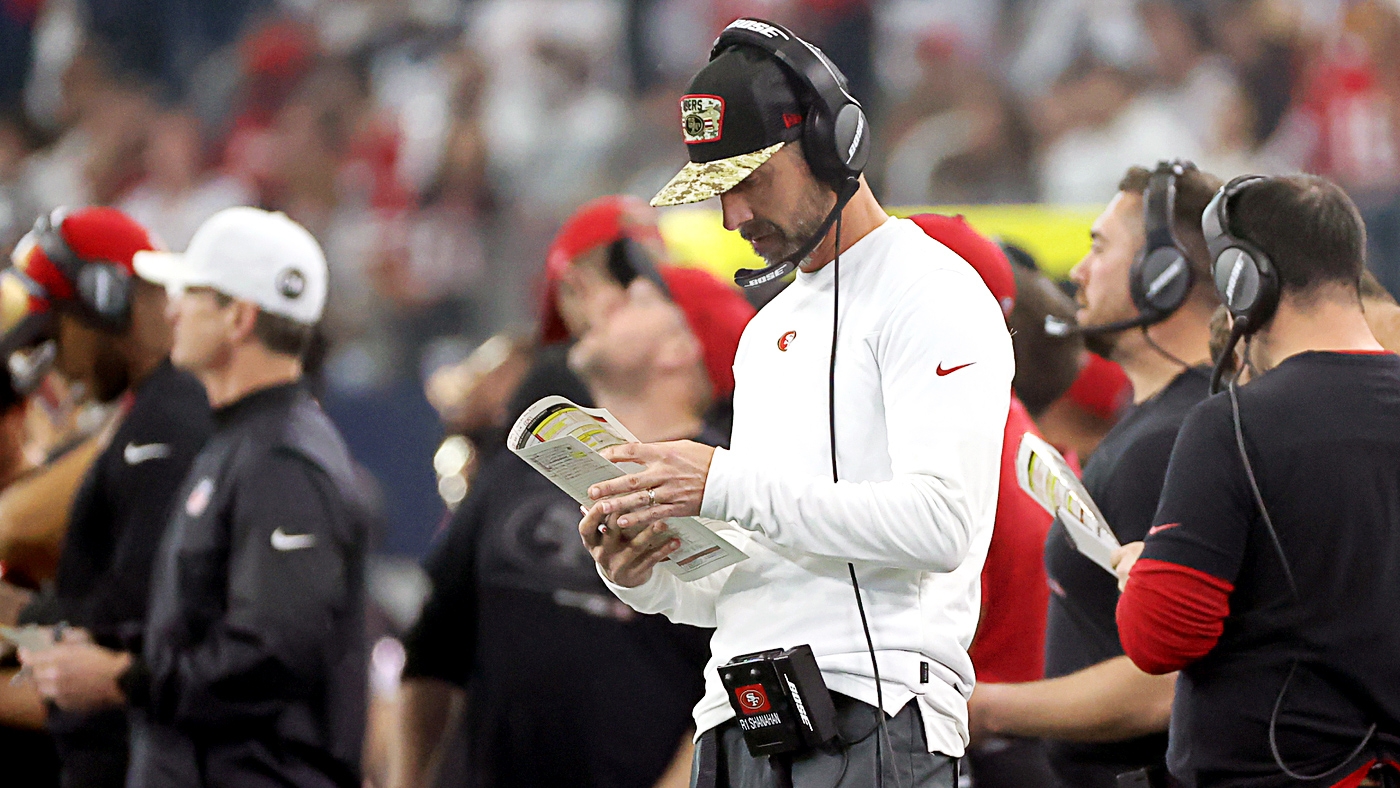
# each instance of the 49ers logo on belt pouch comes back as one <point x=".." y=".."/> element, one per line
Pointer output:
<point x="752" y="699"/>
<point x="702" y="118"/>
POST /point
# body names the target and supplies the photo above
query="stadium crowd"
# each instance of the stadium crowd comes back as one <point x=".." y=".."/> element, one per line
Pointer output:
<point x="461" y="189"/>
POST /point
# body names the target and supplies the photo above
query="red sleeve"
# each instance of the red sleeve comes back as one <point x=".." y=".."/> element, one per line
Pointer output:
<point x="1170" y="615"/>
<point x="1010" y="642"/>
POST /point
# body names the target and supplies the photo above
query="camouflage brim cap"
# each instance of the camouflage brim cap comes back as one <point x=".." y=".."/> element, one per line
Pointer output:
<point x="699" y="182"/>
<point x="739" y="111"/>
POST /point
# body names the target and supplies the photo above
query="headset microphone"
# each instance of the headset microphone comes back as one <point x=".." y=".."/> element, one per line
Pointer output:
<point x="1059" y="328"/>
<point x="753" y="277"/>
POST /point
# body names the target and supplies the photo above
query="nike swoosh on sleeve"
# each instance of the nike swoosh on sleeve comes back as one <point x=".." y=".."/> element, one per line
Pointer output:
<point x="1159" y="528"/>
<point x="135" y="454"/>
<point x="282" y="542"/>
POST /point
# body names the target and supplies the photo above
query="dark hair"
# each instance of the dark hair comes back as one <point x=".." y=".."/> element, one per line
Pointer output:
<point x="277" y="333"/>
<point x="1194" y="190"/>
<point x="1046" y="366"/>
<point x="1308" y="227"/>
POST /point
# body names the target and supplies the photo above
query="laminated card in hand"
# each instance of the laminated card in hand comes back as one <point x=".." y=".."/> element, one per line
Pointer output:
<point x="1047" y="478"/>
<point x="561" y="440"/>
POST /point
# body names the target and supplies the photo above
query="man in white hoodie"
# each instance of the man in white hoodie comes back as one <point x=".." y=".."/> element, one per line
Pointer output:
<point x="902" y="395"/>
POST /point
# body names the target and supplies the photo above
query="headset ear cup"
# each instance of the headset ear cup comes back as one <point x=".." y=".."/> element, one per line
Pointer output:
<point x="1162" y="282"/>
<point x="819" y="145"/>
<point x="105" y="291"/>
<point x="836" y="149"/>
<point x="1136" y="289"/>
<point x="1246" y="283"/>
<point x="1267" y="302"/>
<point x="852" y="139"/>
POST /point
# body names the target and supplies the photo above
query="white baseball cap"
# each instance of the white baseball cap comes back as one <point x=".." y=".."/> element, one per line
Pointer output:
<point x="249" y="254"/>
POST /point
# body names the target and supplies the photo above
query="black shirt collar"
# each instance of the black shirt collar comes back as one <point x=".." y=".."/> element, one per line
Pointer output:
<point x="259" y="401"/>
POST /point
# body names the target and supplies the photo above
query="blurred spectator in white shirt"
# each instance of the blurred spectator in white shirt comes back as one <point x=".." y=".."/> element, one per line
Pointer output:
<point x="180" y="189"/>
<point x="1098" y="124"/>
<point x="959" y="137"/>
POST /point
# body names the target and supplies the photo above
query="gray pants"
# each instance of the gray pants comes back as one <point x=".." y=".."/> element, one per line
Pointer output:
<point x="722" y="760"/>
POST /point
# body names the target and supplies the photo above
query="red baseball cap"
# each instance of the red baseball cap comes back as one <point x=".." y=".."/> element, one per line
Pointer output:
<point x="34" y="285"/>
<point x="1102" y="388"/>
<point x="716" y="312"/>
<point x="595" y="223"/>
<point x="977" y="249"/>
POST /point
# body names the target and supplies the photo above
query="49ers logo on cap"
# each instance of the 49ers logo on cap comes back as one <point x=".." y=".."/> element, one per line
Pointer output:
<point x="785" y="340"/>
<point x="752" y="699"/>
<point x="702" y="118"/>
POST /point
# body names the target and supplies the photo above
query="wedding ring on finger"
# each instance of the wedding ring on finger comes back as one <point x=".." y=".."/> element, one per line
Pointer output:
<point x="651" y="495"/>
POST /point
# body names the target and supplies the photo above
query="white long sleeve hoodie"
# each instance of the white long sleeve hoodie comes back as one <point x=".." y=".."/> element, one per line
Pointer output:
<point x="923" y="382"/>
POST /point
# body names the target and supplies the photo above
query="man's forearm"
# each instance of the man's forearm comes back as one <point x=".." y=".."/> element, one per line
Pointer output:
<point x="914" y="521"/>
<point x="428" y="709"/>
<point x="20" y="704"/>
<point x="1110" y="701"/>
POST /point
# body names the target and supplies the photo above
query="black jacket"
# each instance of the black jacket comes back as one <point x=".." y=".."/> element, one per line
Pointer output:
<point x="254" y="664"/>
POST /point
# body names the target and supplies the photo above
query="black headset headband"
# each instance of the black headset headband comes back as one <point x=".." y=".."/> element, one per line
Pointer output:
<point x="48" y="234"/>
<point x="1215" y="221"/>
<point x="1159" y="210"/>
<point x="1244" y="275"/>
<point x="101" y="288"/>
<point x="810" y="65"/>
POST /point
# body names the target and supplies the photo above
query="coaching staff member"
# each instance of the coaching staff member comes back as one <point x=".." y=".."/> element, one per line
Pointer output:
<point x="253" y="666"/>
<point x="1271" y="574"/>
<point x="921" y="385"/>
<point x="112" y="337"/>
<point x="1102" y="714"/>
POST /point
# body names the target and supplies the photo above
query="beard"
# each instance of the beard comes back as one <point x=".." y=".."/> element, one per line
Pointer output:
<point x="775" y="243"/>
<point x="1102" y="344"/>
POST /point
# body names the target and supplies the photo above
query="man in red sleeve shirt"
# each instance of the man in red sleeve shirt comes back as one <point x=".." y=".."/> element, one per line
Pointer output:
<point x="1270" y="576"/>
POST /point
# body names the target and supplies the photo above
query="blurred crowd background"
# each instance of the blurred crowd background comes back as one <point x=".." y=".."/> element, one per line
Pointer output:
<point x="435" y="146"/>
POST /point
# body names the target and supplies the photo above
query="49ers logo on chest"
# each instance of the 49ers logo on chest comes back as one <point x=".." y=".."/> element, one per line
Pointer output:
<point x="785" y="340"/>
<point x="752" y="699"/>
<point x="702" y="118"/>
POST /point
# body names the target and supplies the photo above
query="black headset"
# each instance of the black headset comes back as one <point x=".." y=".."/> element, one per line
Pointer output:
<point x="102" y="288"/>
<point x="628" y="260"/>
<point x="1160" y="278"/>
<point x="835" y="132"/>
<point x="1244" y="275"/>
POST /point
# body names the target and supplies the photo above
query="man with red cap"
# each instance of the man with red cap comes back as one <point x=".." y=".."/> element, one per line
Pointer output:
<point x="73" y="290"/>
<point x="514" y="592"/>
<point x="1010" y="640"/>
<point x="611" y="241"/>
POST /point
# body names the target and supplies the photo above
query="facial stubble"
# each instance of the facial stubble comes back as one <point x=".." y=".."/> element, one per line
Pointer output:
<point x="811" y="212"/>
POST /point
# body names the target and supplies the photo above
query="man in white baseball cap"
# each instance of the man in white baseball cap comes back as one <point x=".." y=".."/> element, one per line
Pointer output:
<point x="244" y="267"/>
<point x="254" y="643"/>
